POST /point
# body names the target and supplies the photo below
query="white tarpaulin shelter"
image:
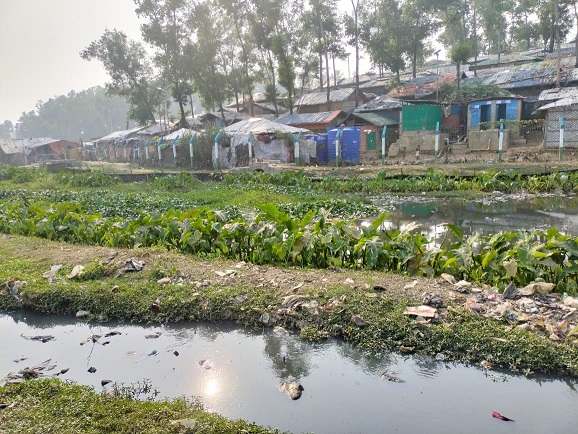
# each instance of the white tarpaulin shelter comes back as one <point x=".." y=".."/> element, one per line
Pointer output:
<point x="263" y="140"/>
<point x="262" y="126"/>
<point x="178" y="133"/>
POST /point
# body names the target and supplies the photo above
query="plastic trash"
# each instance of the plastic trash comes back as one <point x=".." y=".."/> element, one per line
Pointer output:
<point x="500" y="416"/>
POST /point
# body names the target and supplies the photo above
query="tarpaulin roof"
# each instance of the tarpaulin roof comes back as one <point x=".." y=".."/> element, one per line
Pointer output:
<point x="262" y="126"/>
<point x="119" y="135"/>
<point x="309" y="118"/>
<point x="375" y="118"/>
<point x="178" y="133"/>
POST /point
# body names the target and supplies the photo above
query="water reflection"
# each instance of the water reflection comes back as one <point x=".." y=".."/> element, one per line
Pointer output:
<point x="289" y="356"/>
<point x="241" y="368"/>
<point x="483" y="217"/>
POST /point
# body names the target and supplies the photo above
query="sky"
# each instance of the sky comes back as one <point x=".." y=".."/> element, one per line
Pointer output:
<point x="40" y="42"/>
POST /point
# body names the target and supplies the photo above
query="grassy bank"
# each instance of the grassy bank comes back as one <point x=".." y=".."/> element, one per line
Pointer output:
<point x="313" y="303"/>
<point x="52" y="406"/>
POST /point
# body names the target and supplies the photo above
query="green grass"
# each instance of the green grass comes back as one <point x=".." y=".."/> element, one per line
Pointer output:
<point x="52" y="406"/>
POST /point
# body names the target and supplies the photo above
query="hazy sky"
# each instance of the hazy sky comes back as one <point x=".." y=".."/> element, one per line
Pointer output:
<point x="40" y="42"/>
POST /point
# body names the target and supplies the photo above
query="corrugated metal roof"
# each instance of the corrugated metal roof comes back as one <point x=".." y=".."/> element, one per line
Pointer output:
<point x="316" y="98"/>
<point x="10" y="147"/>
<point x="376" y="118"/>
<point x="565" y="102"/>
<point x="309" y="118"/>
<point x="556" y="93"/>
<point x="381" y="103"/>
<point x="36" y="142"/>
<point x="261" y="126"/>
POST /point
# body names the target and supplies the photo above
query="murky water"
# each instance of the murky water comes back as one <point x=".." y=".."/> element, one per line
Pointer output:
<point x="344" y="390"/>
<point x="482" y="217"/>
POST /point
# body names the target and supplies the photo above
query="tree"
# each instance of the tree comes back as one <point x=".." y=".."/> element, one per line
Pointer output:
<point x="127" y="64"/>
<point x="210" y="69"/>
<point x="548" y="25"/>
<point x="167" y="28"/>
<point x="237" y="12"/>
<point x="383" y="35"/>
<point x="420" y="24"/>
<point x="87" y="114"/>
<point x="459" y="55"/>
<point x="6" y="130"/>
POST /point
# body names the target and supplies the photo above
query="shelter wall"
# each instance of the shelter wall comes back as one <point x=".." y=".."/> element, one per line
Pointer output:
<point x="552" y="127"/>
<point x="488" y="140"/>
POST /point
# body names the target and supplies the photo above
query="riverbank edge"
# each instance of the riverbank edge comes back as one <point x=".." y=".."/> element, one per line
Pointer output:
<point x="51" y="405"/>
<point x="364" y="308"/>
<point x="368" y="314"/>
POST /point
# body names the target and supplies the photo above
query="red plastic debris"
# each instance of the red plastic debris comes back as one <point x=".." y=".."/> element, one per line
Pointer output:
<point x="500" y="416"/>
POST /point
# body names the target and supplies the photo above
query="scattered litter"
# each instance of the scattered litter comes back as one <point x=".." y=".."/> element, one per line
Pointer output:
<point x="432" y="300"/>
<point x="486" y="365"/>
<point x="391" y="376"/>
<point x="76" y="271"/>
<point x="379" y="288"/>
<point x="41" y="338"/>
<point x="280" y="330"/>
<point x="155" y="335"/>
<point x="152" y="353"/>
<point x="28" y="373"/>
<point x="112" y="333"/>
<point x="206" y="364"/>
<point x="14" y="286"/>
<point x="92" y="369"/>
<point x="440" y="357"/>
<point x="536" y="288"/>
<point x="133" y="265"/>
<point x="410" y="285"/>
<point x="473" y="306"/>
<point x="63" y="371"/>
<point x="91" y="338"/>
<point x="176" y="353"/>
<point x="462" y="286"/>
<point x="406" y="350"/>
<point x="265" y="317"/>
<point x="105" y="382"/>
<point x="293" y="389"/>
<point x="164" y="280"/>
<point x="110" y="258"/>
<point x="51" y="274"/>
<point x="500" y="416"/>
<point x="21" y="359"/>
<point x="226" y="273"/>
<point x="423" y="311"/>
<point x="83" y="314"/>
<point x="511" y="292"/>
<point x="448" y="278"/>
<point x="570" y="301"/>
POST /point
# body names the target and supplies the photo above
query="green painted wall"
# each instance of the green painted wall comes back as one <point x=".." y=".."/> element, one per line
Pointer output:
<point x="420" y="117"/>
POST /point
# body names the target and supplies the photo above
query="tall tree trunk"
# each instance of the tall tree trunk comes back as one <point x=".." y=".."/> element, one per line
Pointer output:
<point x="355" y="10"/>
<point x="273" y="82"/>
<point x="328" y="82"/>
<point x="321" y="45"/>
<point x="475" y="39"/>
<point x="334" y="71"/>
